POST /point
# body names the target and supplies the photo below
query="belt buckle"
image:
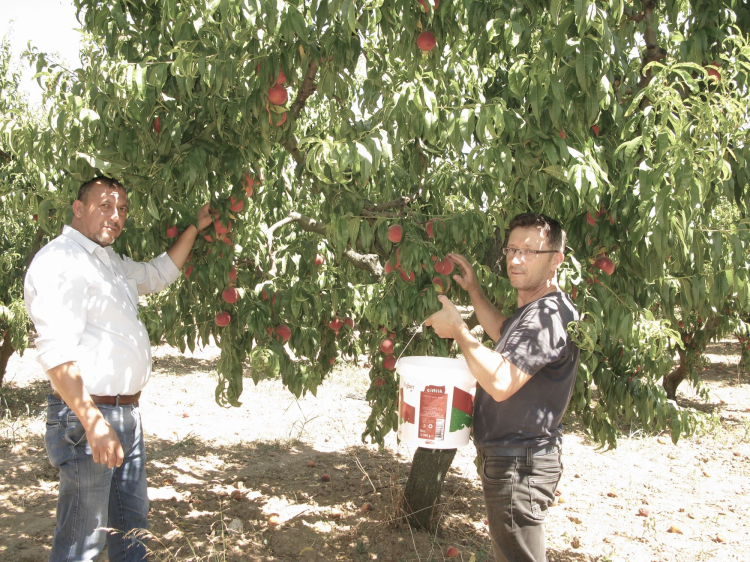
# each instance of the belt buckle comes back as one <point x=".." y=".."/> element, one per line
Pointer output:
<point x="117" y="400"/>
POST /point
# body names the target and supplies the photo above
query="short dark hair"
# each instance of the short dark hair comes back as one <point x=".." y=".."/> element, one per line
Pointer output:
<point x="110" y="183"/>
<point x="553" y="230"/>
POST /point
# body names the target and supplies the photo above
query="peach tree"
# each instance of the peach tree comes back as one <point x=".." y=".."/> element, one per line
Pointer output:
<point x="316" y="127"/>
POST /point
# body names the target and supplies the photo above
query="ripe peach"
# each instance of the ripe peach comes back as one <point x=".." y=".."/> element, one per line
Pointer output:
<point x="589" y="219"/>
<point x="284" y="332"/>
<point x="157" y="125"/>
<point x="439" y="286"/>
<point x="278" y="95"/>
<point x="388" y="268"/>
<point x="595" y="128"/>
<point x="447" y="266"/>
<point x="222" y="318"/>
<point x="282" y="78"/>
<point x="605" y="264"/>
<point x="349" y="322"/>
<point x="395" y="233"/>
<point x="236" y="206"/>
<point x="408" y="278"/>
<point x="230" y="295"/>
<point x="430" y="229"/>
<point x="188" y="270"/>
<point x="220" y="228"/>
<point x="319" y="259"/>
<point x="386" y="346"/>
<point x="452" y="552"/>
<point x="562" y="134"/>
<point x="426" y="41"/>
<point x="276" y="120"/>
<point x="336" y="324"/>
<point x="390" y="362"/>
<point x="424" y="5"/>
<point x="325" y="478"/>
<point x="233" y="274"/>
<point x="172" y="232"/>
<point x="249" y="183"/>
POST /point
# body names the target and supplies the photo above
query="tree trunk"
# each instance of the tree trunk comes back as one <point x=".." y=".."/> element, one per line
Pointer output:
<point x="672" y="380"/>
<point x="425" y="484"/>
<point x="5" y="352"/>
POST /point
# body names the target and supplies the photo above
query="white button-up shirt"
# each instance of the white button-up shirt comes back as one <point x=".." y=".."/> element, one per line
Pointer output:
<point x="83" y="300"/>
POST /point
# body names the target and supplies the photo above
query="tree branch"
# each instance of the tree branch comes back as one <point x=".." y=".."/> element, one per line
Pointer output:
<point x="366" y="262"/>
<point x="307" y="89"/>
<point x="401" y="202"/>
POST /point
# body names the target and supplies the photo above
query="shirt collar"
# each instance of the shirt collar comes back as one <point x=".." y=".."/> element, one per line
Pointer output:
<point x="89" y="245"/>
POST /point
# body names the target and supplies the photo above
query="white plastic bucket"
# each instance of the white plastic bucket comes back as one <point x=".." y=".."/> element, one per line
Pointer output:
<point x="435" y="401"/>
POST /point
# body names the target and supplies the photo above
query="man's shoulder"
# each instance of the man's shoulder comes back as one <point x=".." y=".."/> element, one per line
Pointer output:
<point x="555" y="304"/>
<point x="60" y="252"/>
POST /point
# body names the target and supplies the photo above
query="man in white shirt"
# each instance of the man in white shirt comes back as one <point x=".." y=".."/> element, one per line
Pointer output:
<point x="83" y="300"/>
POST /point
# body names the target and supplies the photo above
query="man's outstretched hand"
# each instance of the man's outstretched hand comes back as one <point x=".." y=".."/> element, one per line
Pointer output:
<point x="467" y="277"/>
<point x="446" y="322"/>
<point x="205" y="217"/>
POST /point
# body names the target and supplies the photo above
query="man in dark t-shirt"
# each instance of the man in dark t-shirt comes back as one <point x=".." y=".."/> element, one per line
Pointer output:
<point x="524" y="384"/>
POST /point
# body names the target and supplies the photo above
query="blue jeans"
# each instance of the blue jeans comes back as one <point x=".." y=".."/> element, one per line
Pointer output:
<point x="92" y="496"/>
<point x="517" y="492"/>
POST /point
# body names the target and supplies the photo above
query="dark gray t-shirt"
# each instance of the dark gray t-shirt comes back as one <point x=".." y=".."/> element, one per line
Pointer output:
<point x="536" y="340"/>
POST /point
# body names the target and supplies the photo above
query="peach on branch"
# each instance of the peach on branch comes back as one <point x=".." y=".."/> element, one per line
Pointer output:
<point x="277" y="121"/>
<point x="220" y="228"/>
<point x="424" y="5"/>
<point x="426" y="41"/>
<point x="605" y="264"/>
<point x="386" y="346"/>
<point x="222" y="318"/>
<point x="230" y="295"/>
<point x="390" y="362"/>
<point x="172" y="232"/>
<point x="319" y="259"/>
<point x="407" y="277"/>
<point x="284" y="332"/>
<point x="395" y="233"/>
<point x="233" y="274"/>
<point x="249" y="183"/>
<point x="336" y="324"/>
<point x="278" y="95"/>
<point x="430" y="229"/>
<point x="236" y="206"/>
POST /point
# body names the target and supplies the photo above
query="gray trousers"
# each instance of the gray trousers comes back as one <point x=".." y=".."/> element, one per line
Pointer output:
<point x="517" y="492"/>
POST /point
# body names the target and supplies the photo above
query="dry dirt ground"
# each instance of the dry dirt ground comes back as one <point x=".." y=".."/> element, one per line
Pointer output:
<point x="272" y="452"/>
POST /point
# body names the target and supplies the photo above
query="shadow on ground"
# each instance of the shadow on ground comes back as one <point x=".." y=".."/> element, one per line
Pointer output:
<point x="213" y="502"/>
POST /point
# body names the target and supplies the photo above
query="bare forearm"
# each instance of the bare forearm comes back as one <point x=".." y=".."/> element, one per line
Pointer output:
<point x="180" y="250"/>
<point x="500" y="378"/>
<point x="490" y="318"/>
<point x="66" y="379"/>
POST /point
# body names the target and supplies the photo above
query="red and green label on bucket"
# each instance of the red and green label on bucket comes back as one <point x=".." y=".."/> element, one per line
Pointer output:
<point x="433" y="406"/>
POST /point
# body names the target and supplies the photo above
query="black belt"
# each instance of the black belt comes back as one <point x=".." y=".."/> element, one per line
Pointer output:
<point x="119" y="400"/>
<point x="519" y="451"/>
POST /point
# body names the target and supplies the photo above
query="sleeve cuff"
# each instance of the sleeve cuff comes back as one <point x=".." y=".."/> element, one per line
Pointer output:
<point x="54" y="357"/>
<point x="167" y="267"/>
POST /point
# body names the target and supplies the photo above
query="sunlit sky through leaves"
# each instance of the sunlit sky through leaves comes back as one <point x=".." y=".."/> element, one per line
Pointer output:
<point x="50" y="25"/>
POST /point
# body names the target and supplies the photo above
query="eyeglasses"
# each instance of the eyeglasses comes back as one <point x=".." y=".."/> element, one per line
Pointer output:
<point x="525" y="254"/>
